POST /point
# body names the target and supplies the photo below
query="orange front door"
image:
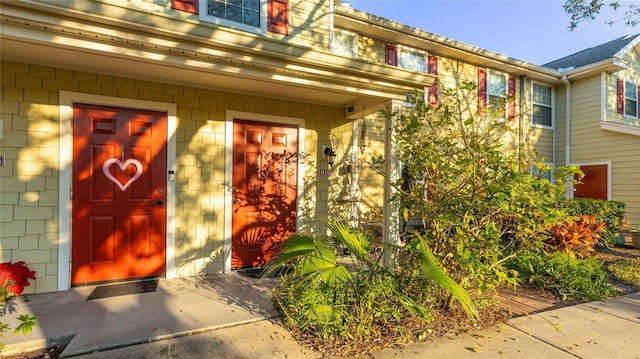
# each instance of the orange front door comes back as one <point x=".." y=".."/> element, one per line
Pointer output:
<point x="118" y="193"/>
<point x="594" y="183"/>
<point x="265" y="167"/>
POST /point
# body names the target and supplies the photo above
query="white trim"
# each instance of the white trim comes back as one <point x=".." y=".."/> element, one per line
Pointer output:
<point x="608" y="164"/>
<point x="619" y="128"/>
<point x="261" y="30"/>
<point x="67" y="99"/>
<point x="231" y="115"/>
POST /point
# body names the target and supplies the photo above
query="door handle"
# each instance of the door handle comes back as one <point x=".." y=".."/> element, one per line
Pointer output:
<point x="159" y="202"/>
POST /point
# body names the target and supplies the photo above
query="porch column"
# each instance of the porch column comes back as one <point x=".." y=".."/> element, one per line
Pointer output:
<point x="391" y="209"/>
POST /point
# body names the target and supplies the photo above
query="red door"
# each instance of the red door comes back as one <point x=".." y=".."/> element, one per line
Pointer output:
<point x="119" y="193"/>
<point x="265" y="166"/>
<point x="594" y="183"/>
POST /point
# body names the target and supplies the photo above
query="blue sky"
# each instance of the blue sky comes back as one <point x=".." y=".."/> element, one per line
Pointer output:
<point x="533" y="31"/>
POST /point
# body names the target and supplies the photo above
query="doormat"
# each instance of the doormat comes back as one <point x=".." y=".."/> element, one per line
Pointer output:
<point x="115" y="290"/>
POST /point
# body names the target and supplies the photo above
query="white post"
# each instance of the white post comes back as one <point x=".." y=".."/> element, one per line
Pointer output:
<point x="391" y="209"/>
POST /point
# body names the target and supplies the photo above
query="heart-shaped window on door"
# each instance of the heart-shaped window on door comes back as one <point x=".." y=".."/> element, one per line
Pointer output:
<point x="123" y="166"/>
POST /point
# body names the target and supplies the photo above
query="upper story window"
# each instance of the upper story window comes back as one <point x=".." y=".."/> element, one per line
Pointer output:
<point x="406" y="58"/>
<point x="627" y="98"/>
<point x="630" y="99"/>
<point x="345" y="43"/>
<point x="258" y="16"/>
<point x="496" y="94"/>
<point x="541" y="105"/>
<point x="412" y="59"/>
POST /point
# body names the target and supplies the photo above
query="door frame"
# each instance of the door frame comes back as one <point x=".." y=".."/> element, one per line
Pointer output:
<point x="232" y="115"/>
<point x="67" y="99"/>
<point x="607" y="163"/>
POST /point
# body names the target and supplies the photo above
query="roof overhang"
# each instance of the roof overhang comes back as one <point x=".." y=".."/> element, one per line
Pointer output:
<point x="380" y="28"/>
<point x="79" y="42"/>
<point x="608" y="65"/>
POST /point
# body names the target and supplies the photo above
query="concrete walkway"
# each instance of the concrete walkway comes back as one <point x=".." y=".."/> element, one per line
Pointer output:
<point x="227" y="316"/>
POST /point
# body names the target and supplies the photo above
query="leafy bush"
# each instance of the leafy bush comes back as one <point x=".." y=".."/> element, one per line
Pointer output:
<point x="576" y="237"/>
<point x="608" y="212"/>
<point x="362" y="302"/>
<point x="564" y="276"/>
<point x="483" y="206"/>
<point x="626" y="270"/>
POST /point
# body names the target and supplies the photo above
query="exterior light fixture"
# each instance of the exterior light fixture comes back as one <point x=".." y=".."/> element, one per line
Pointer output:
<point x="331" y="155"/>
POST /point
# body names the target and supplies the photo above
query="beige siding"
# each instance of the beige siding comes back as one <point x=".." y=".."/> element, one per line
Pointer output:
<point x="30" y="178"/>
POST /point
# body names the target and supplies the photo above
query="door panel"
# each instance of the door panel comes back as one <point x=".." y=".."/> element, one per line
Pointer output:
<point x="594" y="183"/>
<point x="119" y="191"/>
<point x="265" y="165"/>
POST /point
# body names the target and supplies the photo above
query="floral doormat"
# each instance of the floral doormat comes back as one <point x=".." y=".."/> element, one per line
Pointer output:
<point x="115" y="290"/>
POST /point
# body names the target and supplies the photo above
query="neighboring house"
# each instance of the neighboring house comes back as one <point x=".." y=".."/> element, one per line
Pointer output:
<point x="600" y="129"/>
<point x="184" y="137"/>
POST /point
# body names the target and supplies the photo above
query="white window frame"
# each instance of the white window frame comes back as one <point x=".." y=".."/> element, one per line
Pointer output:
<point x="552" y="105"/>
<point x="261" y="30"/>
<point x="337" y="48"/>
<point x="494" y="73"/>
<point x="404" y="50"/>
<point x="635" y="90"/>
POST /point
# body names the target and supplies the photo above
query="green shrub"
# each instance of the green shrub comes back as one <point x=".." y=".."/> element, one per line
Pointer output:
<point x="626" y="270"/>
<point x="609" y="212"/>
<point x="564" y="276"/>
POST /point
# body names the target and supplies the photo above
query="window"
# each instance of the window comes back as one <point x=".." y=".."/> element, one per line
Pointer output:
<point x="412" y="59"/>
<point x="544" y="172"/>
<point x="345" y="43"/>
<point x="542" y="108"/>
<point x="406" y="58"/>
<point x="630" y="99"/>
<point x="248" y="15"/>
<point x="497" y="93"/>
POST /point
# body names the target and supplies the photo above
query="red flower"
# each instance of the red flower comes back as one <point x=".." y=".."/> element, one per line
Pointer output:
<point x="14" y="277"/>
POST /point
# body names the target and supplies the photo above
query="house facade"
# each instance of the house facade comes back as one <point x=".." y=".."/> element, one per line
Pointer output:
<point x="599" y="130"/>
<point x="184" y="137"/>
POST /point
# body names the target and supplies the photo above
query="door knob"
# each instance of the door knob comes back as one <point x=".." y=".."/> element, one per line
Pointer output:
<point x="160" y="202"/>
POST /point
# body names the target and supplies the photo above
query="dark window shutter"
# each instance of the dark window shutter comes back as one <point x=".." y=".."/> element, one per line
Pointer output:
<point x="392" y="55"/>
<point x="185" y="5"/>
<point x="279" y="16"/>
<point x="511" y="92"/>
<point x="432" y="96"/>
<point x="482" y="91"/>
<point x="620" y="96"/>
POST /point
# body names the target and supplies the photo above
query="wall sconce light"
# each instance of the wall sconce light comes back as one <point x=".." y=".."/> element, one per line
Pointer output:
<point x="331" y="155"/>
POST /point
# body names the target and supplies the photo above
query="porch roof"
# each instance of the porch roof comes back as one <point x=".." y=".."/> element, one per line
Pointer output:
<point x="35" y="33"/>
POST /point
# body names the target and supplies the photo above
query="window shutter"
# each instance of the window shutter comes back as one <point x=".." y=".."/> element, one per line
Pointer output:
<point x="185" y="5"/>
<point x="392" y="55"/>
<point x="482" y="91"/>
<point x="432" y="96"/>
<point x="511" y="92"/>
<point x="620" y="96"/>
<point x="279" y="16"/>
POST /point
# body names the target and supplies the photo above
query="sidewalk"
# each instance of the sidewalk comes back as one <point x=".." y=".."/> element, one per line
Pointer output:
<point x="227" y="317"/>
